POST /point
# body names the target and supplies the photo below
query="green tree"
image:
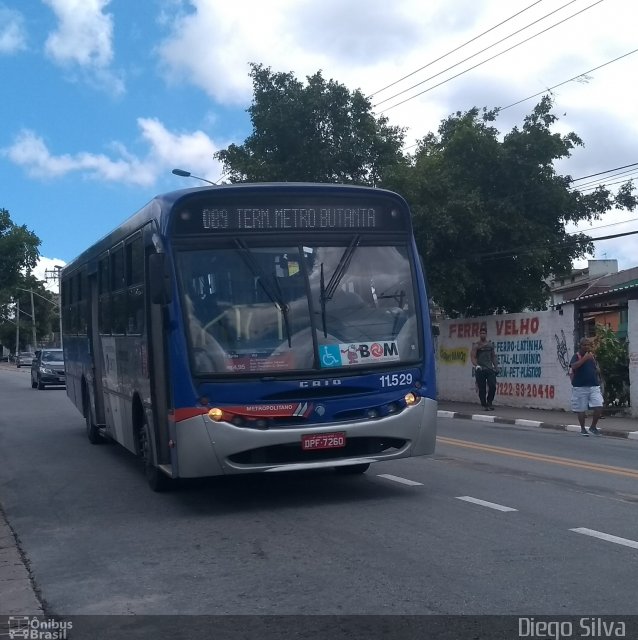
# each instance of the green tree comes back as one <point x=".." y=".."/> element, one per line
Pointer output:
<point x="318" y="132"/>
<point x="18" y="251"/>
<point x="18" y="256"/>
<point x="612" y="354"/>
<point x="490" y="212"/>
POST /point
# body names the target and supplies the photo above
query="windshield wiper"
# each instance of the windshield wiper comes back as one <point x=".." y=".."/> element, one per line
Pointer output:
<point x="326" y="292"/>
<point x="270" y="287"/>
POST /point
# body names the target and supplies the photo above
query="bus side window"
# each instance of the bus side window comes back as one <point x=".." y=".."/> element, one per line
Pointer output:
<point x="135" y="286"/>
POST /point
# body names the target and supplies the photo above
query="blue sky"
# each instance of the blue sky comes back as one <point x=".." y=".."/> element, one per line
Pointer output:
<point x="104" y="97"/>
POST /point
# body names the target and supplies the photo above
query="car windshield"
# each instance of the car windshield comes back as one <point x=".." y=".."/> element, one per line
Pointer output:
<point x="294" y="308"/>
<point x="53" y="356"/>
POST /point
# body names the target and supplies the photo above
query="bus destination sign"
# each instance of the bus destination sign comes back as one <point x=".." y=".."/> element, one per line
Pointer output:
<point x="290" y="218"/>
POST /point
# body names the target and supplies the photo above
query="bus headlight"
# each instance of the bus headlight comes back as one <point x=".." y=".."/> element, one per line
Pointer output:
<point x="215" y="414"/>
<point x="411" y="398"/>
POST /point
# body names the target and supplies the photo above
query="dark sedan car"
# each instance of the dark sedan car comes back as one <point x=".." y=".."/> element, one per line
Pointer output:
<point x="48" y="368"/>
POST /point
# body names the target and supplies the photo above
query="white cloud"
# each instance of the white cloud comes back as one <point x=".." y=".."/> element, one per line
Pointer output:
<point x="166" y="150"/>
<point x="364" y="45"/>
<point x="84" y="41"/>
<point x="84" y="34"/>
<point x="13" y="37"/>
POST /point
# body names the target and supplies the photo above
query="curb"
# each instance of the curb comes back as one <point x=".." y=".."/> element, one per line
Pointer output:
<point x="18" y="594"/>
<point x="520" y="422"/>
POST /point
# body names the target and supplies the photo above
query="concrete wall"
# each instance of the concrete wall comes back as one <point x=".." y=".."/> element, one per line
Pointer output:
<point x="533" y="349"/>
<point x="632" y="336"/>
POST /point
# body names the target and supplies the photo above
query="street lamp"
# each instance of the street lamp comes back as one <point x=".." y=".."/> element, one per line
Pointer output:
<point x="188" y="174"/>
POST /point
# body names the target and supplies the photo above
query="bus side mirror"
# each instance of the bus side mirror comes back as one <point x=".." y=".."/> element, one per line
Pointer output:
<point x="159" y="281"/>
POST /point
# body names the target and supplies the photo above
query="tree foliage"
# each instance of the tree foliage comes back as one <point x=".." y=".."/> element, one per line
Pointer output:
<point x="18" y="256"/>
<point x="612" y="354"/>
<point x="490" y="213"/>
<point x="318" y="132"/>
<point x="18" y="251"/>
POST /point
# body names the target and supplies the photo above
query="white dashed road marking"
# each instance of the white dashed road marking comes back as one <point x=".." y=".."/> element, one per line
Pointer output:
<point x="484" y="503"/>
<point x="606" y="536"/>
<point x="401" y="480"/>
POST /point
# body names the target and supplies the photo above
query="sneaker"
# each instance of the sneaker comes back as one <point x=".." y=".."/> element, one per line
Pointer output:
<point x="490" y="407"/>
<point x="583" y="432"/>
<point x="595" y="431"/>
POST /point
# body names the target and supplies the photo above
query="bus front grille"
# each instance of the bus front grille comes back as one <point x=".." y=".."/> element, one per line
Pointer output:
<point x="292" y="453"/>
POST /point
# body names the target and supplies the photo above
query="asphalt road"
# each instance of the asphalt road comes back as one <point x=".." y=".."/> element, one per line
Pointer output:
<point x="502" y="520"/>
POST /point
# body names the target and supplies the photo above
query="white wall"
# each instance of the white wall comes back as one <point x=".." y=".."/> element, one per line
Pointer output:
<point x="534" y="350"/>
<point x="632" y="336"/>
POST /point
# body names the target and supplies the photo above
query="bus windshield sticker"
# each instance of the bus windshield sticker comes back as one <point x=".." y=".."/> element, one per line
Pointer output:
<point x="344" y="355"/>
<point x="256" y="362"/>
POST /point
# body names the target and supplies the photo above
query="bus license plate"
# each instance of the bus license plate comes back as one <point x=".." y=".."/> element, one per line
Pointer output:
<point x="314" y="441"/>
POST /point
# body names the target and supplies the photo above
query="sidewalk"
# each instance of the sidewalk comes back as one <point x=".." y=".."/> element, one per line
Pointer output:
<point x="619" y="427"/>
<point x="17" y="594"/>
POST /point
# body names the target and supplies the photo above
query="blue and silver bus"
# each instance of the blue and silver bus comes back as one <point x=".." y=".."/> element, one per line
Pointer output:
<point x="254" y="328"/>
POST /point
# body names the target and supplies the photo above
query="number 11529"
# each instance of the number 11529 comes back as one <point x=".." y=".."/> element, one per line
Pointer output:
<point x="396" y="379"/>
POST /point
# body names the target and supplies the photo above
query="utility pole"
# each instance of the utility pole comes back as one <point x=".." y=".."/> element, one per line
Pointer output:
<point x="33" y="336"/>
<point x="54" y="275"/>
<point x="17" y="327"/>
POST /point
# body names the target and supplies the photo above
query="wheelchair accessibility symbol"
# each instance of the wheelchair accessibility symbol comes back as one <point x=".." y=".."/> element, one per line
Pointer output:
<point x="330" y="355"/>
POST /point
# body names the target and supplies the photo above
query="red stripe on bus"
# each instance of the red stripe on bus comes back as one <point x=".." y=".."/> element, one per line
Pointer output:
<point x="189" y="412"/>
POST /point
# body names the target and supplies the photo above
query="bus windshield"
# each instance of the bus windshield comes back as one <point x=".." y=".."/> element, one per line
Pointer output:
<point x="268" y="308"/>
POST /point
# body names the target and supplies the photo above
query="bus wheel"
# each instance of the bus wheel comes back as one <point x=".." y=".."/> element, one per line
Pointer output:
<point x="157" y="480"/>
<point x="352" y="469"/>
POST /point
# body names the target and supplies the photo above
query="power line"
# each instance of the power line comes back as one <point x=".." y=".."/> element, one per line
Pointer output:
<point x="566" y="81"/>
<point x="445" y="55"/>
<point x="602" y="184"/>
<point x="507" y="253"/>
<point x="604" y="226"/>
<point x="600" y="173"/>
<point x="476" y="65"/>
<point x="548" y="90"/>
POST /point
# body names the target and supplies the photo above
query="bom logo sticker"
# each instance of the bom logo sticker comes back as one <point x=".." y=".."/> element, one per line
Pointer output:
<point x="354" y="353"/>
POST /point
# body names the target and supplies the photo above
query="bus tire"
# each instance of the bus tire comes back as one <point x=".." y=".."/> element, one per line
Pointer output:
<point x="157" y="480"/>
<point x="353" y="469"/>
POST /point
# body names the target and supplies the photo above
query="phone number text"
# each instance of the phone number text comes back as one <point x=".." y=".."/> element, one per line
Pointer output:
<point x="525" y="390"/>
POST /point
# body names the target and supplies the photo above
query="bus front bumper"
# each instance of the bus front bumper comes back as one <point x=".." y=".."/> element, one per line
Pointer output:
<point x="207" y="448"/>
